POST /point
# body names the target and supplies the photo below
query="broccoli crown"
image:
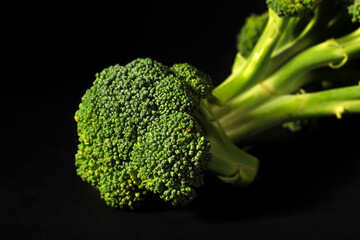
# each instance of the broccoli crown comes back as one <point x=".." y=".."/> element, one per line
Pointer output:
<point x="354" y="10"/>
<point x="251" y="32"/>
<point x="138" y="133"/>
<point x="292" y="8"/>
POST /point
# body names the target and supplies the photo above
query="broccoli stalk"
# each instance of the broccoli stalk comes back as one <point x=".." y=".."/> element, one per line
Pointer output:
<point x="283" y="71"/>
<point x="259" y="57"/>
<point x="295" y="41"/>
<point x="259" y="93"/>
<point x="333" y="53"/>
<point x="230" y="163"/>
<point x="146" y="128"/>
<point x="290" y="107"/>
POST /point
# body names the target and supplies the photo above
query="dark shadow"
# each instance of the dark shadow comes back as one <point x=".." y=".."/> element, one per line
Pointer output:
<point x="297" y="173"/>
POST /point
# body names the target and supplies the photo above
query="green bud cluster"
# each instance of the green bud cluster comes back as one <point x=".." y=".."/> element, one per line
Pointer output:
<point x="354" y="10"/>
<point x="251" y="32"/>
<point x="138" y="133"/>
<point x="292" y="8"/>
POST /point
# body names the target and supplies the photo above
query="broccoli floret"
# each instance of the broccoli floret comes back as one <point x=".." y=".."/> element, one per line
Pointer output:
<point x="250" y="33"/>
<point x="354" y="10"/>
<point x="139" y="132"/>
<point x="148" y="129"/>
<point x="292" y="8"/>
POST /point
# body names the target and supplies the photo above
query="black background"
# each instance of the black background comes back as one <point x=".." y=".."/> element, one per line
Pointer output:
<point x="308" y="184"/>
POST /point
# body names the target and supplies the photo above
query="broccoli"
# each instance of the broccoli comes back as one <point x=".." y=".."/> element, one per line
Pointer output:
<point x="251" y="32"/>
<point x="147" y="129"/>
<point x="142" y="130"/>
<point x="355" y="10"/>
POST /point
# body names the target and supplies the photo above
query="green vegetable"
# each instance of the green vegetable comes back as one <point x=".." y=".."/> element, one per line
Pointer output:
<point x="148" y="129"/>
<point x="251" y="32"/>
<point x="355" y="10"/>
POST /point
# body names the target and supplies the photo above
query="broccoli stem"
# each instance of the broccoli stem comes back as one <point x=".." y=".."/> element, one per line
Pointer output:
<point x="314" y="30"/>
<point x="229" y="163"/>
<point x="239" y="63"/>
<point x="355" y="35"/>
<point x="239" y="80"/>
<point x="289" y="45"/>
<point x="323" y="79"/>
<point x="334" y="53"/>
<point x="288" y="34"/>
<point x="288" y="108"/>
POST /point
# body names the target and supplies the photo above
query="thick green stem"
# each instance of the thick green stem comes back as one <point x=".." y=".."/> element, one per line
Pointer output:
<point x="230" y="163"/>
<point x="324" y="78"/>
<point x="257" y="60"/>
<point x="295" y="107"/>
<point x="238" y="64"/>
<point x="355" y="35"/>
<point x="285" y="80"/>
<point x="316" y="30"/>
<point x="288" y="35"/>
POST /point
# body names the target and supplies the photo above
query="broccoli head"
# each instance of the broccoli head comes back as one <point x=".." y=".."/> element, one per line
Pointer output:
<point x="292" y="8"/>
<point x="138" y="133"/>
<point x="354" y="10"/>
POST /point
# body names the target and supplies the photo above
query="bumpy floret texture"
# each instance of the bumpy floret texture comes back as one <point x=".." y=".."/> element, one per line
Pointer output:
<point x="138" y="133"/>
<point x="354" y="10"/>
<point x="197" y="82"/>
<point x="251" y="32"/>
<point x="292" y="8"/>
